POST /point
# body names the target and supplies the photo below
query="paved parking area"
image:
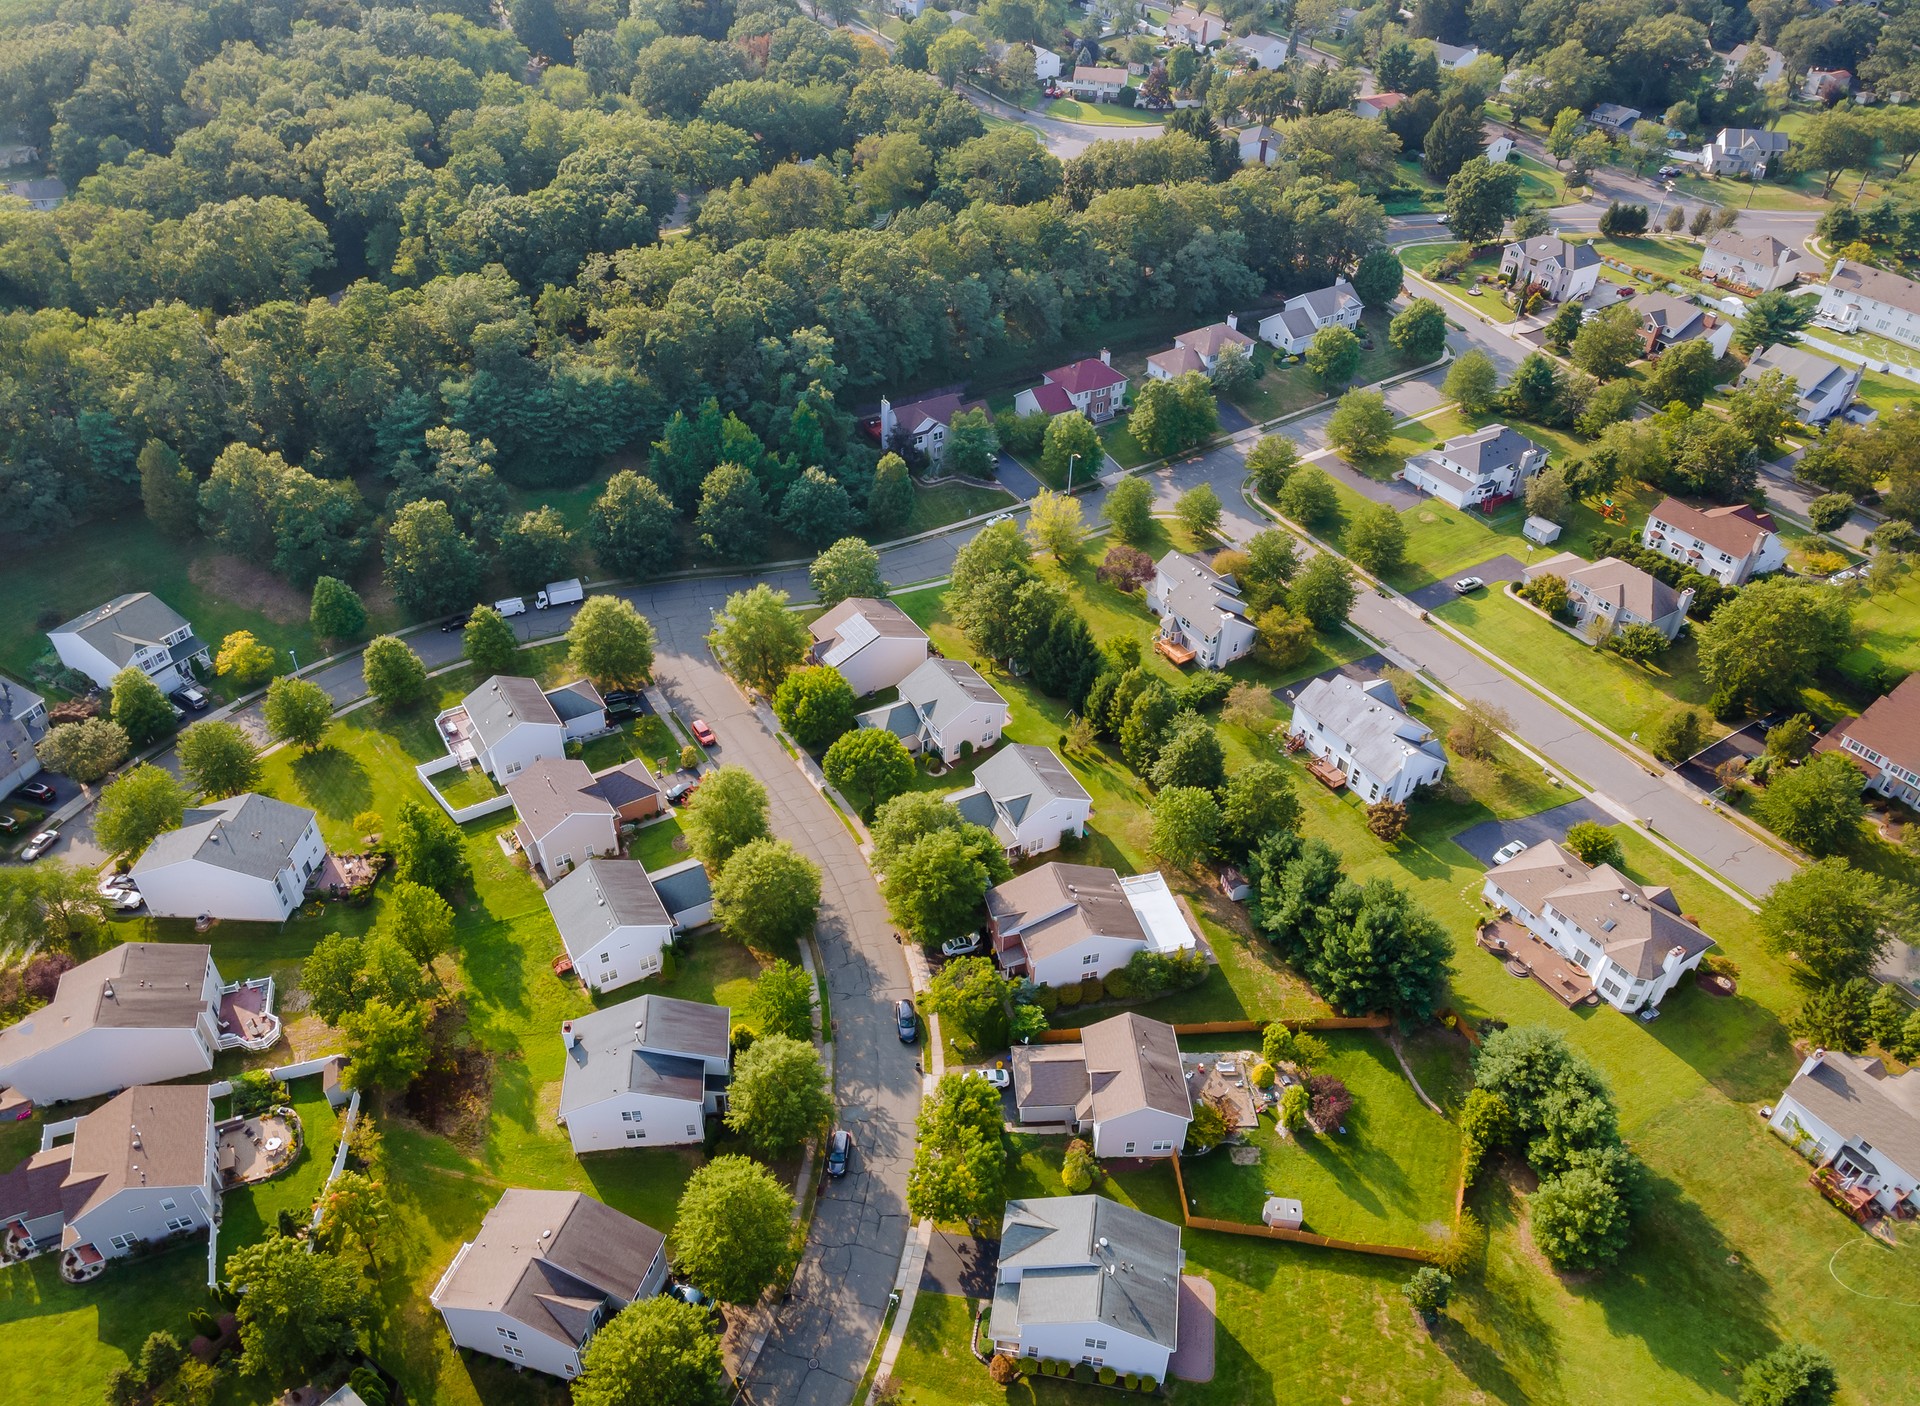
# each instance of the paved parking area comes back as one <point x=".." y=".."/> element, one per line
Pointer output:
<point x="1015" y="477"/>
<point x="1493" y="571"/>
<point x="1483" y="839"/>
<point x="963" y="1265"/>
<point x="1749" y="742"/>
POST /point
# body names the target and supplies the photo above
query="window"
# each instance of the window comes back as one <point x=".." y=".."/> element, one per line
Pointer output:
<point x="1090" y="959"/>
<point x="1100" y="1343"/>
<point x="507" y="1333"/>
<point x="1163" y="1146"/>
<point x="626" y="1115"/>
<point x="605" y="957"/>
<point x="515" y="1352"/>
<point x="180" y="1223"/>
<point x="693" y="1130"/>
<point x="1130" y="1147"/>
<point x="169" y="1204"/>
<point x="635" y="1134"/>
<point x="121" y="1242"/>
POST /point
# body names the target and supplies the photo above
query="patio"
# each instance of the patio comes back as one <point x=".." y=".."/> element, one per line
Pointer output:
<point x="246" y="1016"/>
<point x="1222" y="1080"/>
<point x="1526" y="955"/>
<point x="257" y="1149"/>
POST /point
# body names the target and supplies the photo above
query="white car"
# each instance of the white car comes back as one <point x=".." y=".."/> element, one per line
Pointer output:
<point x="40" y="844"/>
<point x="114" y="885"/>
<point x="1508" y="851"/>
<point x="125" y="900"/>
<point x="1468" y="583"/>
<point x="960" y="946"/>
<point x="999" y="1078"/>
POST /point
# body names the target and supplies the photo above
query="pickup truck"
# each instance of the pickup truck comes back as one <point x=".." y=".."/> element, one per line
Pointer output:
<point x="512" y="605"/>
<point x="560" y="593"/>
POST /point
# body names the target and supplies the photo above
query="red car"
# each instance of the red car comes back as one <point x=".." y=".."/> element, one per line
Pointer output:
<point x="704" y="734"/>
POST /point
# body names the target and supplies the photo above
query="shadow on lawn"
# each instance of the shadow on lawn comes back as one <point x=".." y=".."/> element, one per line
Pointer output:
<point x="333" y="781"/>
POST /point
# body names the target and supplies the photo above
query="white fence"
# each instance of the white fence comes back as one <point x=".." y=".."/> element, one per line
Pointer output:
<point x="461" y="814"/>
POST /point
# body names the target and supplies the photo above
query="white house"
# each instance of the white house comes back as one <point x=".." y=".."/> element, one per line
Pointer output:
<point x="1498" y="150"/>
<point x="1884" y="742"/>
<point x="1377" y="104"/>
<point x="1858" y="298"/>
<point x="686" y="890"/>
<point x="1096" y="82"/>
<point x="1091" y="386"/>
<point x="1198" y="350"/>
<point x="564" y="818"/>
<point x="922" y="425"/>
<point x="1667" y="319"/>
<point x="1756" y="261"/>
<point x="1046" y="63"/>
<point x="1770" y="65"/>
<point x="1825" y="85"/>
<point x="1617" y="593"/>
<point x="1258" y="143"/>
<point x="1086" y="1279"/>
<point x="1202" y="618"/>
<point x="580" y="708"/>
<point x="1743" y="152"/>
<point x="1261" y="50"/>
<point x="1293" y="327"/>
<point x="1454" y="57"/>
<point x="1847" y="1113"/>
<point x="1122" y="1084"/>
<point x="1613" y="118"/>
<point x="1060" y="923"/>
<point x="873" y="643"/>
<point x="504" y="726"/>
<point x="944" y="705"/>
<point x="19" y="763"/>
<point x="1195" y="28"/>
<point x="545" y="1271"/>
<point x="1027" y="797"/>
<point x="613" y="923"/>
<point x="647" y="1071"/>
<point x="1548" y="262"/>
<point x="138" y="629"/>
<point x="1631" y="941"/>
<point x="1360" y="730"/>
<point x="140" y="1168"/>
<point x="144" y="1012"/>
<point x="247" y="858"/>
<point x="1822" y="388"/>
<point x="1489" y="463"/>
<point x="1733" y="544"/>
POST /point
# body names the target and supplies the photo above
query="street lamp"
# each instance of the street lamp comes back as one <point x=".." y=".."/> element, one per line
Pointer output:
<point x="1070" y="461"/>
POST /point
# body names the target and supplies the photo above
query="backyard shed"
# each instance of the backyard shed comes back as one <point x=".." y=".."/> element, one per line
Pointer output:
<point x="1539" y="530"/>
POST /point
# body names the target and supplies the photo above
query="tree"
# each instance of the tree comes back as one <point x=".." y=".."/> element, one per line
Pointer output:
<point x="296" y="1309"/>
<point x="654" y="1352"/>
<point x="611" y="643"/>
<point x="869" y="762"/>
<point x="1477" y="731"/>
<point x="1481" y="197"/>
<point x="768" y="894"/>
<point x="954" y="53"/>
<point x="902" y="821"/>
<point x="1378" y="277"/>
<point x="536" y="547"/>
<point x="1767" y="643"/>
<point x="631" y="527"/>
<point x="815" y="705"/>
<point x="1836" y="919"/>
<point x="1054" y="523"/>
<point x="1793" y="1374"/>
<point x="1258" y="801"/>
<point x="1233" y="369"/>
<point x="1272" y="560"/>
<point x="420" y="920"/>
<point x="1428" y="1291"/>
<point x="1566" y="128"/>
<point x="781" y="1002"/>
<point x="1564" y="325"/>
<point x="1392" y="956"/>
<point x="168" y="490"/>
<point x="935" y="886"/>
<point x="1773" y="318"/>
<point x="244" y="660"/>
<point x="1323" y="592"/>
<point x="394" y="674"/>
<point x="1377" y="539"/>
<point x="1547" y="591"/>
<point x="890" y="502"/>
<point x="1608" y="342"/>
<point x="1419" y="333"/>
<point x="960" y="1166"/>
<point x="488" y="642"/>
<point x="1360" y="427"/>
<point x="219" y="759"/>
<point x="1071" y="444"/>
<point x="427" y="847"/>
<point x="1686" y="373"/>
<point x="757" y="639"/>
<point x="132" y="810"/>
<point x="1473" y="381"/>
<point x="1333" y="356"/>
<point x="138" y="705"/>
<point x="1832" y="142"/>
<point x="431" y="565"/>
<point x="847" y="569"/>
<point x="1677" y="735"/>
<point x="1579" y="1220"/>
<point x="1190" y="754"/>
<point x="727" y="811"/>
<point x="1129" y="508"/>
<point x="1829" y="511"/>
<point x="337" y="612"/>
<point x="970" y="996"/>
<point x="330" y="976"/>
<point x="387" y="1045"/>
<point x="353" y="1207"/>
<point x="1815" y="805"/>
<point x="86" y="750"/>
<point x="1453" y="142"/>
<point x="733" y="1232"/>
<point x="1641" y="644"/>
<point x="298" y="712"/>
<point x="1596" y="844"/>
<point x="55" y="905"/>
<point x="779" y="1096"/>
<point x="1387" y="821"/>
<point x="1169" y="416"/>
<point x="1199" y="510"/>
<point x="816" y="508"/>
<point x="732" y="516"/>
<point x="1270" y="464"/>
<point x="1186" y="826"/>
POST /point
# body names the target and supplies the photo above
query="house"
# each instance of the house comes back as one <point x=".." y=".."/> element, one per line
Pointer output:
<point x="42" y="194"/>
<point x="545" y="1271"/>
<point x="1377" y="104"/>
<point x="1199" y="350"/>
<point x="1096" y="82"/>
<point x="1743" y="152"/>
<point x="1487" y="465"/>
<point x="1732" y="544"/>
<point x="1455" y="57"/>
<point x="138" y="629"/>
<point x="613" y="923"/>
<point x="873" y="643"/>
<point x="1756" y="261"/>
<point x="944" y="706"/>
<point x="504" y="726"/>
<point x="23" y="722"/>
<point x="1122" y="1084"/>
<point x="1262" y="50"/>
<point x="1859" y="298"/>
<point x="564" y="818"/>
<point x="1884" y="742"/>
<point x="1498" y="150"/>
<point x="144" y="1012"/>
<point x="1027" y="797"/>
<point x="1825" y="85"/>
<point x="1823" y="388"/>
<point x="1770" y="65"/>
<point x="1293" y="327"/>
<point x="1847" y="1113"/>
<point x="1091" y="386"/>
<point x="246" y="858"/>
<point x="19" y="702"/>
<point x="141" y="1167"/>
<point x="632" y="790"/>
<point x="1259" y="143"/>
<point x="1046" y="63"/>
<point x="686" y="890"/>
<point x="1061" y="923"/>
<point x="1560" y="269"/>
<point x="1613" y="118"/>
<point x="1104" y="1281"/>
<point x="1617" y="593"/>
<point x="1360" y="730"/>
<point x="922" y="425"/>
<point x="1631" y="941"/>
<point x="1202" y="618"/>
<point x="908" y="9"/>
<point x="1666" y="319"/>
<point x="648" y="1071"/>
<point x="580" y="708"/>
<point x="1196" y="28"/>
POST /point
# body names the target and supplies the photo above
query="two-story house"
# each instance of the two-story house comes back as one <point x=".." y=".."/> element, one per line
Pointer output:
<point x="944" y="705"/>
<point x="1847" y="1113"/>
<point x="1560" y="269"/>
<point x="874" y="644"/>
<point x="1199" y="350"/>
<point x="45" y="193"/>
<point x="646" y="1072"/>
<point x="1194" y="28"/>
<point x="612" y="922"/>
<point x="1769" y="65"/>
<point x="1822" y="388"/>
<point x="138" y="630"/>
<point x="1122" y="1083"/>
<point x="1061" y="923"/>
<point x="1666" y="320"/>
<point x="921" y="425"/>
<point x="23" y="722"/>
<point x="1091" y="386"/>
<point x="1096" y="83"/>
<point x="1027" y="797"/>
<point x="504" y="726"/>
<point x="1732" y="544"/>
<point x="1360" y="731"/>
<point x="1377" y="104"/>
<point x="245" y="858"/>
<point x="1860" y="298"/>
<point x="1744" y="152"/>
<point x="1617" y="594"/>
<point x="547" y="1270"/>
<point x="1259" y="144"/>
<point x="1884" y="742"/>
<point x="1631" y="941"/>
<point x="1481" y="467"/>
<point x="1613" y="118"/>
<point x="1299" y="319"/>
<point x="1756" y="261"/>
<point x="1202" y="618"/>
<point x="565" y="819"/>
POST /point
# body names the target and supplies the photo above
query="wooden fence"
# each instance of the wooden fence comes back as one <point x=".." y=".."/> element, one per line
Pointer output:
<point x="1297" y="1237"/>
<point x="1245" y="1027"/>
<point x="1460" y="1023"/>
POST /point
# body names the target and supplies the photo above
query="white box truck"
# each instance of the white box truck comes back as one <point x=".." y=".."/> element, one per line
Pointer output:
<point x="560" y="593"/>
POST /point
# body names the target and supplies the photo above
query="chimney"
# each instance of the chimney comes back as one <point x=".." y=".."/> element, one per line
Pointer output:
<point x="886" y="421"/>
<point x="567" y="1037"/>
<point x="1106" y="357"/>
<point x="1233" y="321"/>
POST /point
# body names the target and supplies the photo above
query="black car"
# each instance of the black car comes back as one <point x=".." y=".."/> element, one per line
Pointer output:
<point x="455" y="622"/>
<point x="38" y="791"/>
<point x="907" y="1021"/>
<point x="623" y="700"/>
<point x="839" y="1152"/>
<point x="190" y="698"/>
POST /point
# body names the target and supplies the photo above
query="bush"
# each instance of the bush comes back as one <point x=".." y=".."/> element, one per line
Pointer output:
<point x="1149" y="1384"/>
<point x="1026" y="1366"/>
<point x="1065" y="997"/>
<point x="1261" y="1074"/>
<point x="1091" y="989"/>
<point x="1047" y="999"/>
<point x="1083" y="1372"/>
<point x="1118" y="985"/>
<point x="1002" y="1370"/>
<point x="1107" y="1376"/>
<point x="1078" y="1168"/>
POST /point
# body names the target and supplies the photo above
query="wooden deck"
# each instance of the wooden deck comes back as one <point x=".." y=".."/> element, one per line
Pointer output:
<point x="1526" y="955"/>
<point x="1177" y="654"/>
<point x="1326" y="773"/>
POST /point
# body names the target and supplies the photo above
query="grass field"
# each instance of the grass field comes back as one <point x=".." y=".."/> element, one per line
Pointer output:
<point x="1488" y="303"/>
<point x="1099" y="114"/>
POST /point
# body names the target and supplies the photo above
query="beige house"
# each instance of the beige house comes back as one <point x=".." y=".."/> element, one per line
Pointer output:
<point x="1756" y="261"/>
<point x="1122" y="1084"/>
<point x="1616" y="593"/>
<point x="564" y="818"/>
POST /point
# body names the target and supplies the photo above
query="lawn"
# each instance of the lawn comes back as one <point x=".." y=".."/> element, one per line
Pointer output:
<point x="647" y="737"/>
<point x="1489" y="304"/>
<point x="1887" y="630"/>
<point x="657" y="845"/>
<point x="1662" y="254"/>
<point x="945" y="503"/>
<point x="1284" y="386"/>
<point x="465" y="786"/>
<point x="251" y="1211"/>
<point x="1099" y="114"/>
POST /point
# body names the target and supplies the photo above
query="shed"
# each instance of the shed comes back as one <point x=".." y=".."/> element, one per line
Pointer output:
<point x="1234" y="884"/>
<point x="1283" y="1213"/>
<point x="1539" y="530"/>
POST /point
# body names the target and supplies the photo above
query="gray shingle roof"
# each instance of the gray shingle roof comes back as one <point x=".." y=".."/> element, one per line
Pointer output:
<point x="248" y="834"/>
<point x="1877" y="284"/>
<point x="652" y="1044"/>
<point x="1812" y="376"/>
<point x="502" y="703"/>
<point x="1610" y="578"/>
<point x="942" y="689"/>
<point x="1676" y="319"/>
<point x="576" y="700"/>
<point x="1755" y="141"/>
<point x="155" y="986"/>
<point x="1857" y="1098"/>
<point x="1484" y="451"/>
<point x="1632" y="925"/>
<point x="1055" y="906"/>
<point x="600" y="896"/>
<point x="1063" y="1247"/>
<point x="1021" y="773"/>
<point x="855" y="623"/>
<point x="1551" y="246"/>
<point x="1368" y="719"/>
<point x="1134" y="1063"/>
<point x="1196" y="591"/>
<point x="683" y="887"/>
<point x="1755" y="248"/>
<point x="125" y="625"/>
<point x="546" y="792"/>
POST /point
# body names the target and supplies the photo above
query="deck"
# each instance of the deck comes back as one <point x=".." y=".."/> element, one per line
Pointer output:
<point x="246" y="1016"/>
<point x="1177" y="654"/>
<point x="1326" y="773"/>
<point x="1523" y="954"/>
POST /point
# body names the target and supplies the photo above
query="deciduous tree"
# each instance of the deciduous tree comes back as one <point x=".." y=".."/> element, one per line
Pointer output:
<point x="781" y="1002"/>
<point x="815" y="705"/>
<point x="1186" y="825"/>
<point x="86" y="750"/>
<point x="655" y="1352"/>
<point x="1323" y="592"/>
<point x="611" y="643"/>
<point x="138" y="705"/>
<point x="768" y="894"/>
<point x="1361" y="426"/>
<point x="1473" y="381"/>
<point x="394" y="674"/>
<point x="244" y="661"/>
<point x="1199" y="510"/>
<point x="757" y="639"/>
<point x="935" y="885"/>
<point x="727" y="811"/>
<point x="1419" y="333"/>
<point x="298" y="712"/>
<point x="337" y="612"/>
<point x="387" y="1045"/>
<point x="869" y="762"/>
<point x="296" y="1308"/>
<point x="733" y="1232"/>
<point x="779" y="1094"/>
<point x="846" y="569"/>
<point x="631" y="527"/>
<point x="489" y="643"/>
<point x="427" y="847"/>
<point x="219" y="759"/>
<point x="1333" y="356"/>
<point x="132" y="810"/>
<point x="1129" y="507"/>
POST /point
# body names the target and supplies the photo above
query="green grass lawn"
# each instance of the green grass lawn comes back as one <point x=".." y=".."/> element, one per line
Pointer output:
<point x="658" y="845"/>
<point x="1099" y="114"/>
<point x="1662" y="254"/>
<point x="646" y="737"/>
<point x="945" y="503"/>
<point x="1887" y="629"/>
<point x="1488" y="303"/>
<point x="465" y="786"/>
<point x="252" y="1211"/>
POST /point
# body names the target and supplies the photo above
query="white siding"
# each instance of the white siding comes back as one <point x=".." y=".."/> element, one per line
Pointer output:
<point x="1071" y="966"/>
<point x="1146" y="1132"/>
<point x="575" y="840"/>
<point x="624" y="955"/>
<point x="1067" y="1342"/>
<point x="882" y="663"/>
<point x="487" y="1332"/>
<point x="1041" y="829"/>
<point x="604" y="1126"/>
<point x="978" y="723"/>
<point x="102" y="1060"/>
<point x="524" y="745"/>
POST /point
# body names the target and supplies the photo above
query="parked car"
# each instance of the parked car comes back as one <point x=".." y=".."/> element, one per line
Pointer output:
<point x="125" y="900"/>
<point x="907" y="1021"/>
<point x="686" y="1293"/>
<point x="1667" y="173"/>
<point x="999" y="1078"/>
<point x="623" y="700"/>
<point x="1508" y="851"/>
<point x="40" y="844"/>
<point x="38" y="791"/>
<point x="681" y="786"/>
<point x="455" y="622"/>
<point x="839" y="1152"/>
<point x="704" y="734"/>
<point x="960" y="946"/>
<point x="190" y="698"/>
<point x="7" y="823"/>
<point x="1468" y="583"/>
<point x="999" y="518"/>
<point x="113" y="884"/>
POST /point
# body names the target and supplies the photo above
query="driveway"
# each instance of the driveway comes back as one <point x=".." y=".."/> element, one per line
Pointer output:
<point x="1395" y="494"/>
<point x="1016" y="478"/>
<point x="1701" y="768"/>
<point x="961" y="1265"/>
<point x="1192" y="1360"/>
<point x="1493" y="571"/>
<point x="1487" y="837"/>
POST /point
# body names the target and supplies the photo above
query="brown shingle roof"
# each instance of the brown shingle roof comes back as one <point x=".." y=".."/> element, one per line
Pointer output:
<point x="1056" y="906"/>
<point x="1735" y="529"/>
<point x="1134" y="1063"/>
<point x="1890" y="726"/>
<point x="1632" y="928"/>
<point x="151" y="1135"/>
<point x="154" y="985"/>
<point x="546" y="792"/>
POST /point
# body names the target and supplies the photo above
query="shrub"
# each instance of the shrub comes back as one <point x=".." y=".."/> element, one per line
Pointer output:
<point x="1002" y="1370"/>
<point x="1261" y="1074"/>
<point x="1091" y="989"/>
<point x="1118" y="985"/>
<point x="1083" y="1372"/>
<point x="1047" y="999"/>
<point x="1107" y="1376"/>
<point x="1067" y="996"/>
<point x="1078" y="1167"/>
<point x="1149" y="1384"/>
<point x="1026" y="1366"/>
<point x="1130" y="1382"/>
<point x="1331" y="1101"/>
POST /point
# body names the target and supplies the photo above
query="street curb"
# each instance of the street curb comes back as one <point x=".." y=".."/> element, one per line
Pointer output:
<point x="906" y="1286"/>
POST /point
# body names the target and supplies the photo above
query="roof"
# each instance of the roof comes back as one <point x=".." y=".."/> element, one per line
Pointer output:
<point x="940" y="409"/>
<point x="43" y="188"/>
<point x="1056" y="906"/>
<point x="1486" y="450"/>
<point x="683" y="887"/>
<point x="1863" y="281"/>
<point x="136" y="986"/>
<point x="941" y="689"/>
<point x="1453" y="53"/>
<point x="31" y="1191"/>
<point x="1367" y="718"/>
<point x="1195" y="590"/>
<point x="1610" y="578"/>
<point x="855" y="623"/>
<point x="578" y="699"/>
<point x="1134" y="1063"/>
<point x="125" y="625"/>
<point x="651" y="1045"/>
<point x="1052" y="399"/>
<point x="1090" y="374"/>
<point x="1177" y="361"/>
<point x="248" y="834"/>
<point x="1613" y="114"/>
<point x="505" y="701"/>
<point x="1099" y="73"/>
<point x="549" y="790"/>
<point x="1636" y="927"/>
<point x="1087" y="1259"/>
<point x="1890" y="726"/>
<point x="1812" y="376"/>
<point x="1382" y="101"/>
<point x="1021" y="776"/>
<point x="1551" y="246"/>
<point x="1754" y="139"/>
<point x="1736" y="529"/>
<point x="549" y="1259"/>
<point x="600" y="896"/>
<point x="1672" y="318"/>
<point x="623" y="785"/>
<point x="1856" y="1097"/>
<point x="1045" y="1076"/>
<point x="1326" y="302"/>
<point x="1754" y="248"/>
<point x="153" y="1135"/>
